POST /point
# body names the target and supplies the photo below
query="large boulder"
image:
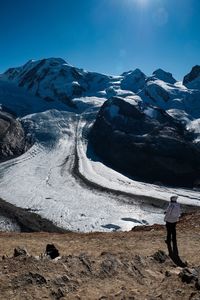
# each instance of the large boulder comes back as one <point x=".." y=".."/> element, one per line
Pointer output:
<point x="145" y="144"/>
<point x="12" y="136"/>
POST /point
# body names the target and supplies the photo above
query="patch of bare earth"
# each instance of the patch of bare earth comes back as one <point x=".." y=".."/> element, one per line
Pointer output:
<point x="119" y="265"/>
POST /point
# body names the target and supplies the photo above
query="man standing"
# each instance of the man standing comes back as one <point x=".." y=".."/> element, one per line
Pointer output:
<point x="172" y="215"/>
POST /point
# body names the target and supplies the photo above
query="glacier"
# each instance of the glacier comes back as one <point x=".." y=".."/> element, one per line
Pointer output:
<point x="56" y="177"/>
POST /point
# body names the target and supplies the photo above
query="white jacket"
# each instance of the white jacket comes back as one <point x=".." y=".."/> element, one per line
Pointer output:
<point x="173" y="212"/>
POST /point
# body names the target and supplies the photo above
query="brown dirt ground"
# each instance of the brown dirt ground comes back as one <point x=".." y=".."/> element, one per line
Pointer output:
<point x="116" y="265"/>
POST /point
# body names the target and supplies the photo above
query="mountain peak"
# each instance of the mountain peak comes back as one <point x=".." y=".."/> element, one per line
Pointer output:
<point x="164" y="76"/>
<point x="190" y="80"/>
<point x="137" y="71"/>
<point x="133" y="80"/>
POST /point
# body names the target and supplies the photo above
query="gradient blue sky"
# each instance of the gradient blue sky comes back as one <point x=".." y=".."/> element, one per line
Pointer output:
<point x="108" y="36"/>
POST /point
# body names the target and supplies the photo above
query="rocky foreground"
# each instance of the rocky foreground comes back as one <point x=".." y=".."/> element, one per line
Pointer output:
<point x="120" y="265"/>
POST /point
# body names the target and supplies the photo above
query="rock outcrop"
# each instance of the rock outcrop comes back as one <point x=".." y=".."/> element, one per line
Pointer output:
<point x="145" y="144"/>
<point x="164" y="76"/>
<point x="192" y="79"/>
<point x="12" y="137"/>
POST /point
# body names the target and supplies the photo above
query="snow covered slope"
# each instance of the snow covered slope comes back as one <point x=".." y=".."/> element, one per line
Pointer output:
<point x="60" y="177"/>
<point x="53" y="79"/>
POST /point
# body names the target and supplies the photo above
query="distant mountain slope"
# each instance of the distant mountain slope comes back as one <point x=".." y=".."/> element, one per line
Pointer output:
<point x="53" y="79"/>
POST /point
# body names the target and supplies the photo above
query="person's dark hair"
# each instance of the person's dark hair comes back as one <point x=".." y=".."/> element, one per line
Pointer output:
<point x="173" y="198"/>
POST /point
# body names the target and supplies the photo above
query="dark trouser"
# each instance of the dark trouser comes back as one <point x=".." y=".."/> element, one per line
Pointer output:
<point x="171" y="236"/>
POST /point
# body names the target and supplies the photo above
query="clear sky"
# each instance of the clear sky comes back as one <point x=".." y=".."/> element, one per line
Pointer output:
<point x="108" y="36"/>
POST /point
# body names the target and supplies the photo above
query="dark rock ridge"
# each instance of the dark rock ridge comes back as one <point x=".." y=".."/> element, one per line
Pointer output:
<point x="194" y="74"/>
<point x="165" y="76"/>
<point x="12" y="136"/>
<point x="146" y="144"/>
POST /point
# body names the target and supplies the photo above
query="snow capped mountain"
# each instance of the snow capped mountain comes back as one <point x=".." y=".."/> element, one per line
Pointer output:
<point x="53" y="79"/>
<point x="133" y="80"/>
<point x="90" y="131"/>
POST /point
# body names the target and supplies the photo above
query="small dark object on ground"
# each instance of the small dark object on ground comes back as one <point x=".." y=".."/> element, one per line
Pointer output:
<point x="20" y="252"/>
<point x="160" y="256"/>
<point x="52" y="251"/>
<point x="191" y="275"/>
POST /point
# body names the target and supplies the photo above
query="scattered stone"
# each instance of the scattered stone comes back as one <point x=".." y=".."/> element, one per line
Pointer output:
<point x="155" y="274"/>
<point x="20" y="252"/>
<point x="28" y="278"/>
<point x="197" y="284"/>
<point x="86" y="262"/>
<point x="38" y="279"/>
<point x="160" y="256"/>
<point x="58" y="294"/>
<point x="188" y="275"/>
<point x="109" y="266"/>
<point x="61" y="281"/>
<point x="52" y="251"/>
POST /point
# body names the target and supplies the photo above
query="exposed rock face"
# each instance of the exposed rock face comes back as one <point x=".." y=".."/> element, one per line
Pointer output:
<point x="148" y="145"/>
<point x="156" y="93"/>
<point x="12" y="136"/>
<point x="192" y="80"/>
<point x="165" y="76"/>
<point x="195" y="72"/>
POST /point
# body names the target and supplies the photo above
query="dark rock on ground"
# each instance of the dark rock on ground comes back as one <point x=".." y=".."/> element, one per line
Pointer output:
<point x="20" y="252"/>
<point x="52" y="251"/>
<point x="190" y="275"/>
<point x="29" y="278"/>
<point x="160" y="256"/>
<point x="149" y="148"/>
<point x="58" y="294"/>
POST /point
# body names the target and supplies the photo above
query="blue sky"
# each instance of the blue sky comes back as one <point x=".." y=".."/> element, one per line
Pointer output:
<point x="108" y="36"/>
